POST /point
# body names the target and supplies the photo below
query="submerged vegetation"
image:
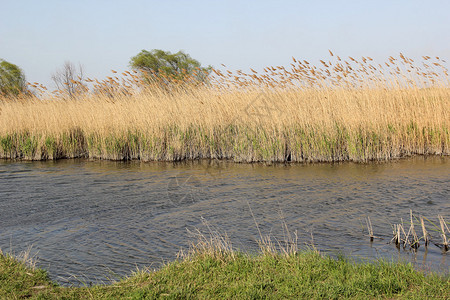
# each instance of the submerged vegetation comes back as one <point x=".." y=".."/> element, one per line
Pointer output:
<point x="212" y="269"/>
<point x="343" y="110"/>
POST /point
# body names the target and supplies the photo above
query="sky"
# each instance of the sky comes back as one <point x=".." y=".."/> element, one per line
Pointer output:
<point x="39" y="36"/>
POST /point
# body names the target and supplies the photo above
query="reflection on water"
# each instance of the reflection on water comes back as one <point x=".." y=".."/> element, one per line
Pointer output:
<point x="92" y="221"/>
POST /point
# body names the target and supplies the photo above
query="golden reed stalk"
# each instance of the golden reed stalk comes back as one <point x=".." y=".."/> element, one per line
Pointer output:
<point x="338" y="111"/>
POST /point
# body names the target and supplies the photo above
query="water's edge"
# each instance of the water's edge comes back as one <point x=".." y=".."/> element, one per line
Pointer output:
<point x="90" y="219"/>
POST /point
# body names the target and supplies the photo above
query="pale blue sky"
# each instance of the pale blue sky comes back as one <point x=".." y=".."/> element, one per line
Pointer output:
<point x="102" y="35"/>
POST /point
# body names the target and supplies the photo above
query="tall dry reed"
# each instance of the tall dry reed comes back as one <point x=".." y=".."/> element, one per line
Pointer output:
<point x="341" y="110"/>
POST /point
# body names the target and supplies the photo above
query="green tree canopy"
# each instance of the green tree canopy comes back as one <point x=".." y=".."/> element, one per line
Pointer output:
<point x="12" y="79"/>
<point x="163" y="63"/>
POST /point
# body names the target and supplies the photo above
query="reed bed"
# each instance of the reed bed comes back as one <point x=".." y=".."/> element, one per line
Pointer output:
<point x="342" y="110"/>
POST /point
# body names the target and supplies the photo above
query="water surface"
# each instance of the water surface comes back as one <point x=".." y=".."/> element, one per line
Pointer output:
<point x="93" y="221"/>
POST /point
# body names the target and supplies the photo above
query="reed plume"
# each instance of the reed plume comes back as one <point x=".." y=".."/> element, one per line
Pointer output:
<point x="355" y="110"/>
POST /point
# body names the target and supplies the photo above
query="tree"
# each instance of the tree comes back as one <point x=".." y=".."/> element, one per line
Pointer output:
<point x="69" y="79"/>
<point x="12" y="79"/>
<point x="163" y="64"/>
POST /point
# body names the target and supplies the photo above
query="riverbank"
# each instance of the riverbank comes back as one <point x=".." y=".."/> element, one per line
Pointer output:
<point x="234" y="143"/>
<point x="225" y="275"/>
<point x="305" y="114"/>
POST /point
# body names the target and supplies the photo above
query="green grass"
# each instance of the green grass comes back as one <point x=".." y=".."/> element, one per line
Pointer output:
<point x="227" y="275"/>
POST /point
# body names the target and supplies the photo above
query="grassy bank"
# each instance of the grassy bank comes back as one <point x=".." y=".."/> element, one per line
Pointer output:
<point x="341" y="111"/>
<point x="227" y="275"/>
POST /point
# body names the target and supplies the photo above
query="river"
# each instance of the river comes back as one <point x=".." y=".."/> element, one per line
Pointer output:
<point x="95" y="221"/>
